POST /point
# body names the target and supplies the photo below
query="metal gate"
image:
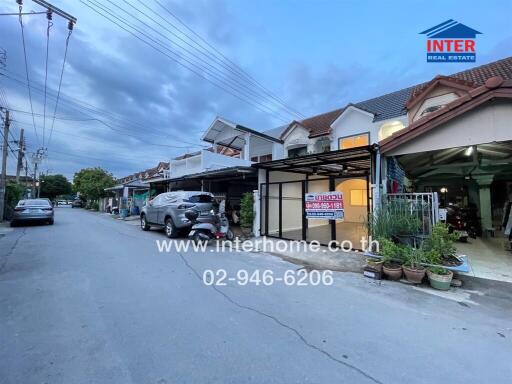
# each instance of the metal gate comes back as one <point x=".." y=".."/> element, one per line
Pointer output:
<point x="425" y="205"/>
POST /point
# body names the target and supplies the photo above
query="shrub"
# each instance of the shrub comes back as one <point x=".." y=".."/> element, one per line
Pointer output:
<point x="247" y="210"/>
<point x="414" y="257"/>
<point x="395" y="218"/>
<point x="440" y="243"/>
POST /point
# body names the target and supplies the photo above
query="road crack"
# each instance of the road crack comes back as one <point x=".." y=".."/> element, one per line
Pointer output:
<point x="282" y="324"/>
<point x="11" y="250"/>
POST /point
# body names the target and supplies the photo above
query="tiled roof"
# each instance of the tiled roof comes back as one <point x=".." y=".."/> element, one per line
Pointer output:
<point x="450" y="81"/>
<point x="393" y="104"/>
<point x="495" y="86"/>
<point x="321" y="124"/>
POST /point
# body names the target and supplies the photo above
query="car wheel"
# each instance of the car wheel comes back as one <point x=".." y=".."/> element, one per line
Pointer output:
<point x="50" y="221"/>
<point x="170" y="230"/>
<point x="13" y="223"/>
<point x="230" y="235"/>
<point x="143" y="223"/>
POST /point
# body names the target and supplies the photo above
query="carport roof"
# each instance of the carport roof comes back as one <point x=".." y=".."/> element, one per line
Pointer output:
<point x="353" y="161"/>
<point x="217" y="173"/>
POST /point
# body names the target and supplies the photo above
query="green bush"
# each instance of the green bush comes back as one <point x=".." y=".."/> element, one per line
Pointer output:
<point x="395" y="218"/>
<point x="13" y="193"/>
<point x="414" y="257"/>
<point x="246" y="210"/>
<point x="440" y="244"/>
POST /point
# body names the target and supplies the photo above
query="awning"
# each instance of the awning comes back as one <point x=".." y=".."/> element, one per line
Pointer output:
<point x="218" y="173"/>
<point x="343" y="162"/>
<point x="135" y="184"/>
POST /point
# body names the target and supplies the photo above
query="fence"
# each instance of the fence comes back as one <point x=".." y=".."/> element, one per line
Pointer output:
<point x="424" y="205"/>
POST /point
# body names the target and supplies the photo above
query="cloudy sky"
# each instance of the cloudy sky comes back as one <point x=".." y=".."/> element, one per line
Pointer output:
<point x="125" y="105"/>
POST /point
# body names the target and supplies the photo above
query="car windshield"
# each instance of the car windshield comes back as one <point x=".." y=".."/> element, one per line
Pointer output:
<point x="199" y="199"/>
<point x="38" y="202"/>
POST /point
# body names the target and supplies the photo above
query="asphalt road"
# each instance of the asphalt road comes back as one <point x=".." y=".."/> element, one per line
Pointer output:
<point x="91" y="300"/>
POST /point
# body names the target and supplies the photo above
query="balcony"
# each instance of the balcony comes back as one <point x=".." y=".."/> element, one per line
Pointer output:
<point x="203" y="162"/>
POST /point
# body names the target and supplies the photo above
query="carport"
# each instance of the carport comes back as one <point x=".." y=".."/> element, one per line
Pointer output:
<point x="463" y="151"/>
<point x="284" y="184"/>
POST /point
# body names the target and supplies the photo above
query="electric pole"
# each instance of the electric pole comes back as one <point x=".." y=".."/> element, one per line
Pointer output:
<point x="21" y="153"/>
<point x="36" y="158"/>
<point x="3" y="176"/>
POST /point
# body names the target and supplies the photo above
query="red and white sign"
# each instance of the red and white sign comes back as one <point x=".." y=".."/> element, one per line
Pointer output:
<point x="325" y="205"/>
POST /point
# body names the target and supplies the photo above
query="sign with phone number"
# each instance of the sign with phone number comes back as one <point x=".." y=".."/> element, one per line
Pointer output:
<point x="325" y="205"/>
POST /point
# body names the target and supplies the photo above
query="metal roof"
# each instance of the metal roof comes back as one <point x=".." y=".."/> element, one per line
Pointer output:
<point x="223" y="172"/>
<point x="343" y="162"/>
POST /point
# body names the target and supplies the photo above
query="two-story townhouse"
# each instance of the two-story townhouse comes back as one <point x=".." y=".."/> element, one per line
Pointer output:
<point x="450" y="135"/>
<point x="224" y="167"/>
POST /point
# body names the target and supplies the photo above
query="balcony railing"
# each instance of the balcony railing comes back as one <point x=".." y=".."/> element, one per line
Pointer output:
<point x="203" y="162"/>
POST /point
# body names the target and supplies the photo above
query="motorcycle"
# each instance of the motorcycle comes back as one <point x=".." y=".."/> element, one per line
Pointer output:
<point x="217" y="228"/>
<point x="463" y="221"/>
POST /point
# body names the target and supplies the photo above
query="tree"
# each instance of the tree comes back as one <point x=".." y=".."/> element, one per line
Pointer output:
<point x="54" y="185"/>
<point x="91" y="183"/>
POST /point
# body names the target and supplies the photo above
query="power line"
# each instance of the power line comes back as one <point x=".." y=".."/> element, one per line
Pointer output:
<point x="49" y="17"/>
<point x="240" y="94"/>
<point x="26" y="71"/>
<point x="92" y="111"/>
<point x="230" y="63"/>
<point x="236" y="94"/>
<point x="244" y="86"/>
<point x="70" y="30"/>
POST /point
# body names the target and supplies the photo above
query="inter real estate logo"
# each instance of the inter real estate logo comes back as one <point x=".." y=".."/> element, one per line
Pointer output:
<point x="451" y="42"/>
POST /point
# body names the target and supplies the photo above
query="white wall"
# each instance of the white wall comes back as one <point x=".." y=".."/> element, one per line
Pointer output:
<point x="353" y="122"/>
<point x="488" y="123"/>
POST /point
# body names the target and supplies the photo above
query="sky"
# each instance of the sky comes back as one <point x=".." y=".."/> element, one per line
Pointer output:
<point x="125" y="106"/>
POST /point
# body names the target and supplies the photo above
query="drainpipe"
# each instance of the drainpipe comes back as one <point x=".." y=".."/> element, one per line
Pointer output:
<point x="376" y="191"/>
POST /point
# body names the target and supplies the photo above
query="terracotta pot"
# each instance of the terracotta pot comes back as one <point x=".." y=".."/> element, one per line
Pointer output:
<point x="441" y="282"/>
<point x="392" y="271"/>
<point x="375" y="264"/>
<point x="414" y="275"/>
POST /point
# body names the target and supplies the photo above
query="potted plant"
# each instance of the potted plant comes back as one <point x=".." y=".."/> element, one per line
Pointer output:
<point x="374" y="263"/>
<point x="413" y="270"/>
<point x="440" y="244"/>
<point x="440" y="278"/>
<point x="391" y="255"/>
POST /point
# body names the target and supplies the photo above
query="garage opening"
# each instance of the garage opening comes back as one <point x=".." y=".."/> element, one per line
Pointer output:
<point x="474" y="185"/>
<point x="288" y="183"/>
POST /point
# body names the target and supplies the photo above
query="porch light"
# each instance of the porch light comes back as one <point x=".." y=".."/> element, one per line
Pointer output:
<point x="469" y="151"/>
<point x="444" y="190"/>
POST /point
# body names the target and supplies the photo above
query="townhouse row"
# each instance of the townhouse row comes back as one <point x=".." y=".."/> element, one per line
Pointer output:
<point x="449" y="137"/>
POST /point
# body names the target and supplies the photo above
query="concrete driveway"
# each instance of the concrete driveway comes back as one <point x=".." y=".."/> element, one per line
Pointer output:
<point x="91" y="300"/>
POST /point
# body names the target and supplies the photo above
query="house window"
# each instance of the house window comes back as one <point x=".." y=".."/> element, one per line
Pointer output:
<point x="265" y="158"/>
<point x="254" y="158"/>
<point x="358" y="197"/>
<point x="431" y="109"/>
<point x="354" y="141"/>
<point x="299" y="151"/>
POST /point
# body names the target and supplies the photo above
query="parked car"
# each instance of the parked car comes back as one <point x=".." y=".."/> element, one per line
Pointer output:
<point x="77" y="203"/>
<point x="167" y="210"/>
<point x="32" y="210"/>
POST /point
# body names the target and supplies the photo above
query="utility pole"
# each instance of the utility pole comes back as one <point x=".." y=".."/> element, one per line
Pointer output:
<point x="3" y="176"/>
<point x="36" y="158"/>
<point x="21" y="153"/>
<point x="26" y="174"/>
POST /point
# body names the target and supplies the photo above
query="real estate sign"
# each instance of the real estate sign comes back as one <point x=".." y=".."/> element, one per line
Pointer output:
<point x="325" y="205"/>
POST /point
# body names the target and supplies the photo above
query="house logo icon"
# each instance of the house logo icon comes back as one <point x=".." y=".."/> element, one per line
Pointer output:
<point x="451" y="42"/>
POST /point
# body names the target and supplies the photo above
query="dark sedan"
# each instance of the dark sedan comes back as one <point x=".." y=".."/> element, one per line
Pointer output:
<point x="33" y="210"/>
